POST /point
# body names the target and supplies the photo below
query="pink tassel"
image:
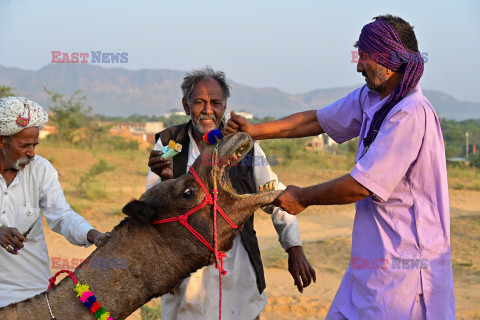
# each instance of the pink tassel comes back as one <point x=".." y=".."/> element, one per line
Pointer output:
<point x="85" y="296"/>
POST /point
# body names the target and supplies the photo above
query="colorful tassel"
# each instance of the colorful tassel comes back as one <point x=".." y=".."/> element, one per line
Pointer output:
<point x="99" y="312"/>
<point x="86" y="297"/>
<point x="90" y="302"/>
<point x="212" y="136"/>
<point x="81" y="289"/>
<point x="105" y="316"/>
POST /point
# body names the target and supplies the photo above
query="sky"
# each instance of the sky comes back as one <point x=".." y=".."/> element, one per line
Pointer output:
<point x="295" y="46"/>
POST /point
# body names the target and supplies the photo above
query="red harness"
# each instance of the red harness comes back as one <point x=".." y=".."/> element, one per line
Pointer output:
<point x="183" y="220"/>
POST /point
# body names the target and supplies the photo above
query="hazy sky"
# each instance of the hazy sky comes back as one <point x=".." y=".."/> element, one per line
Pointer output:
<point x="295" y="46"/>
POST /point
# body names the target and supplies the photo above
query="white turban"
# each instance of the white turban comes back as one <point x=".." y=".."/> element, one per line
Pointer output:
<point x="18" y="113"/>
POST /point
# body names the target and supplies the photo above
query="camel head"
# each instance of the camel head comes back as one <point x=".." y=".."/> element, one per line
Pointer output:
<point x="175" y="197"/>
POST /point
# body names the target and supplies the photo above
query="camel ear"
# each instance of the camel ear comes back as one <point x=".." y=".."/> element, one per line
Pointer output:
<point x="140" y="211"/>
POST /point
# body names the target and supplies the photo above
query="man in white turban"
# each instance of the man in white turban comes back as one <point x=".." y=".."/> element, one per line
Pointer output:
<point x="29" y="184"/>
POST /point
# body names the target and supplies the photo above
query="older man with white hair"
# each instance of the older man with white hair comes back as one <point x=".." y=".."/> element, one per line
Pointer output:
<point x="29" y="184"/>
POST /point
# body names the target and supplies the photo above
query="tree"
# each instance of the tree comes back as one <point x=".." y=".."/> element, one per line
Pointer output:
<point x="69" y="114"/>
<point x="6" y="91"/>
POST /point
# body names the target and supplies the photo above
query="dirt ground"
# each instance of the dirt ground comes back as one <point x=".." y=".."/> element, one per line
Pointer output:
<point x="326" y="235"/>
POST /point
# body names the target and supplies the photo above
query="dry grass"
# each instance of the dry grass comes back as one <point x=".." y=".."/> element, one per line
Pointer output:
<point x="462" y="177"/>
<point x="125" y="182"/>
<point x="465" y="234"/>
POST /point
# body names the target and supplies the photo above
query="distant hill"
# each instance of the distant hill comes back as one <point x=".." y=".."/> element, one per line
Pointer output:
<point x="121" y="92"/>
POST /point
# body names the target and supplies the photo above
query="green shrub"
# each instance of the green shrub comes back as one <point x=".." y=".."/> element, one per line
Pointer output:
<point x="120" y="143"/>
<point x="151" y="313"/>
<point x="88" y="185"/>
<point x="474" y="160"/>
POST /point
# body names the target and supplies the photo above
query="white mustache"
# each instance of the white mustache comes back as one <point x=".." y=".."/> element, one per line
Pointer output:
<point x="210" y="116"/>
<point x="21" y="162"/>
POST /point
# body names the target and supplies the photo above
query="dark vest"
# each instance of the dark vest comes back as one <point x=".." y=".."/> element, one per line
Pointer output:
<point x="242" y="180"/>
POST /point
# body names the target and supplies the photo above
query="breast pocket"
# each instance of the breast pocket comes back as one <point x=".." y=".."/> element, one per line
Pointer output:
<point x="26" y="216"/>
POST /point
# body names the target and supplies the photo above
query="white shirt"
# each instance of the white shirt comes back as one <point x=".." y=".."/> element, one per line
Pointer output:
<point x="35" y="188"/>
<point x="196" y="297"/>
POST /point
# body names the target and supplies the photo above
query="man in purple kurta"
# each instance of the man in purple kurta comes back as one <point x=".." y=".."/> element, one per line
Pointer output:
<point x="401" y="265"/>
<point x="401" y="233"/>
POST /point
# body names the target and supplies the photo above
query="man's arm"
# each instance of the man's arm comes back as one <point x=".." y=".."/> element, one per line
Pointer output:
<point x="60" y="216"/>
<point x="342" y="190"/>
<point x="298" y="125"/>
<point x="341" y="120"/>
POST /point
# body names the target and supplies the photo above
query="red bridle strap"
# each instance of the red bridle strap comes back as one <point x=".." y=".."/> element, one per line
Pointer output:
<point x="208" y="197"/>
<point x="183" y="219"/>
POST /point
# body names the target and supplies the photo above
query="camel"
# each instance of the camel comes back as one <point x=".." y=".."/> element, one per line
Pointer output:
<point x="157" y="256"/>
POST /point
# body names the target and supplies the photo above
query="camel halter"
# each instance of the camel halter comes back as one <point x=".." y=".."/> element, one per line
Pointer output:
<point x="208" y="200"/>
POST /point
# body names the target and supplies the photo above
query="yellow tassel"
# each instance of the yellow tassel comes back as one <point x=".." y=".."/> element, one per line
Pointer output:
<point x="104" y="316"/>
<point x="81" y="289"/>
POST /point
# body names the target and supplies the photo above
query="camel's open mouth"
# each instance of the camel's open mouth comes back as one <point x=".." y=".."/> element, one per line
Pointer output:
<point x="232" y="153"/>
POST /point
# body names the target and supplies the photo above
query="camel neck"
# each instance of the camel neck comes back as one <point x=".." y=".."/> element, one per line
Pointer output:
<point x="122" y="276"/>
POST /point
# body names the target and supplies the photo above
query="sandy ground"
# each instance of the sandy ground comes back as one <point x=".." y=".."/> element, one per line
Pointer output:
<point x="316" y="225"/>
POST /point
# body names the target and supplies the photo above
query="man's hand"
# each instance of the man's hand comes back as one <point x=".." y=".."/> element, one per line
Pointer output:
<point x="291" y="200"/>
<point x="98" y="238"/>
<point x="10" y="238"/>
<point x="238" y="123"/>
<point x="161" y="167"/>
<point x="300" y="269"/>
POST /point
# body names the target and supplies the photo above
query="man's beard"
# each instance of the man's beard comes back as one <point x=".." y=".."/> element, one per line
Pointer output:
<point x="377" y="84"/>
<point x="203" y="129"/>
<point x="21" y="163"/>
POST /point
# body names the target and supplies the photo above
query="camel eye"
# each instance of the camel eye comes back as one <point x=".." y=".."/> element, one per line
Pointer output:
<point x="188" y="193"/>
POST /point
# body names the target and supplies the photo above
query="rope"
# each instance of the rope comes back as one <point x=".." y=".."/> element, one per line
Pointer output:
<point x="219" y="261"/>
<point x="53" y="279"/>
<point x="208" y="200"/>
<point x="49" y="309"/>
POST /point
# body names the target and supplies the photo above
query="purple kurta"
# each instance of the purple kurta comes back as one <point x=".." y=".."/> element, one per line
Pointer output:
<point x="401" y="234"/>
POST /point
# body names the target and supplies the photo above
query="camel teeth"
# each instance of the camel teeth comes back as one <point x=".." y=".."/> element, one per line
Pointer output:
<point x="239" y="154"/>
<point x="260" y="188"/>
<point x="272" y="184"/>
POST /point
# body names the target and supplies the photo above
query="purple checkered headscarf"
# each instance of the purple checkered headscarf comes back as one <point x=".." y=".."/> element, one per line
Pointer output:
<point x="383" y="44"/>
